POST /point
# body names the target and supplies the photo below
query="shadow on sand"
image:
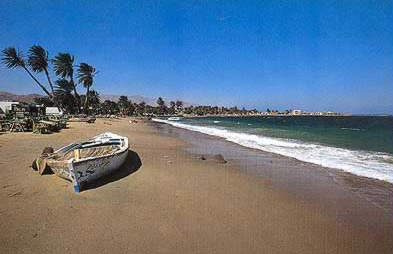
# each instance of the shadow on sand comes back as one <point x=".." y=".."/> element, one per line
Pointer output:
<point x="130" y="166"/>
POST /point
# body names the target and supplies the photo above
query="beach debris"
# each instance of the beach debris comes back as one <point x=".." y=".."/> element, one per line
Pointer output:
<point x="86" y="161"/>
<point x="202" y="158"/>
<point x="18" y="193"/>
<point x="218" y="158"/>
<point x="133" y="121"/>
<point x="107" y="123"/>
<point x="35" y="235"/>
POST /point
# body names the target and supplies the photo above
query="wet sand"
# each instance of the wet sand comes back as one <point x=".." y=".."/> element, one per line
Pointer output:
<point x="166" y="200"/>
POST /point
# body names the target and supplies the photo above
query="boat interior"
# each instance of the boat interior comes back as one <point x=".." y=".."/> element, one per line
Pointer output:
<point x="88" y="149"/>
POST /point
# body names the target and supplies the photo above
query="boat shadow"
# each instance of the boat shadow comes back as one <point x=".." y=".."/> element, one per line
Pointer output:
<point x="130" y="166"/>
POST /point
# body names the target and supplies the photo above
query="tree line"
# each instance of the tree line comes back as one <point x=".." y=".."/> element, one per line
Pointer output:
<point x="125" y="107"/>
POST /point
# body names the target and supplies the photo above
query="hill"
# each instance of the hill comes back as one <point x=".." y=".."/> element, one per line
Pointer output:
<point x="28" y="98"/>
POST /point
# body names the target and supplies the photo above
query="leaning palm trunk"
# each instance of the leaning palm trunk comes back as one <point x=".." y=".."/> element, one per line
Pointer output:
<point x="49" y="81"/>
<point x="86" y="104"/>
<point x="50" y="95"/>
<point x="42" y="87"/>
<point x="76" y="95"/>
<point x="77" y="99"/>
<point x="86" y="74"/>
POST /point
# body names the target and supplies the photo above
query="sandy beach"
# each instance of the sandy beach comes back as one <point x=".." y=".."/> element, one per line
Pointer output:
<point x="165" y="199"/>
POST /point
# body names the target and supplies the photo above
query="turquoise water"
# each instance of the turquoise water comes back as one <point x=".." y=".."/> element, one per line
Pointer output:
<point x="370" y="133"/>
<point x="362" y="145"/>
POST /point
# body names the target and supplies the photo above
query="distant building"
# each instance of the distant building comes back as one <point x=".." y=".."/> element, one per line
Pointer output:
<point x="296" y="112"/>
<point x="6" y="106"/>
<point x="317" y="113"/>
<point x="329" y="113"/>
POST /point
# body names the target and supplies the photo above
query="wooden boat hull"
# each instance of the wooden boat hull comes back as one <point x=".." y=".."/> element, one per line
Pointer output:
<point x="93" y="169"/>
<point x="84" y="170"/>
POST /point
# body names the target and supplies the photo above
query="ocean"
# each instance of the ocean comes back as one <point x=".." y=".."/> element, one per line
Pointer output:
<point x="361" y="145"/>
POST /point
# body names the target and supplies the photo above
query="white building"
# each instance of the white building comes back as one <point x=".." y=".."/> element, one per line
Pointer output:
<point x="296" y="112"/>
<point x="53" y="111"/>
<point x="7" y="105"/>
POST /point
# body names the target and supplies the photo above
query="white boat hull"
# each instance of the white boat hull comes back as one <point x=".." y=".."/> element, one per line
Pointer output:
<point x="82" y="170"/>
<point x="91" y="170"/>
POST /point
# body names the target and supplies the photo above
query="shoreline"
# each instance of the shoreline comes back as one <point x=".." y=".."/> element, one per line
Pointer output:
<point x="372" y="164"/>
<point x="335" y="173"/>
<point x="274" y="168"/>
<point x="173" y="203"/>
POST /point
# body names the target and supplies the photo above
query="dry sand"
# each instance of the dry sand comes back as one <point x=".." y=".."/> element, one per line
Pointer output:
<point x="164" y="200"/>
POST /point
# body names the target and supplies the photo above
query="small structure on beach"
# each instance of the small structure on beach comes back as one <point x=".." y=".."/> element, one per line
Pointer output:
<point x="23" y="109"/>
<point x="20" y="110"/>
<point x="6" y="106"/>
<point x="53" y="111"/>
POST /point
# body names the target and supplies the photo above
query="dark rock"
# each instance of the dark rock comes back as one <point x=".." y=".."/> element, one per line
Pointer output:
<point x="219" y="159"/>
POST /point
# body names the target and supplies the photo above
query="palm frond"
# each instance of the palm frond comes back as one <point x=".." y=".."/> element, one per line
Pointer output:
<point x="86" y="74"/>
<point x="63" y="86"/>
<point x="12" y="58"/>
<point x="63" y="65"/>
<point x="38" y="58"/>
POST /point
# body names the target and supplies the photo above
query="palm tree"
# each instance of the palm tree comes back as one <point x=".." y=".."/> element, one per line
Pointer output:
<point x="172" y="104"/>
<point x="161" y="106"/>
<point x="13" y="58"/>
<point x="94" y="98"/>
<point x="38" y="62"/>
<point x="86" y="74"/>
<point x="63" y="95"/>
<point x="141" y="108"/>
<point x="179" y="105"/>
<point x="110" y="107"/>
<point x="63" y="66"/>
<point x="124" y="104"/>
<point x="44" y="100"/>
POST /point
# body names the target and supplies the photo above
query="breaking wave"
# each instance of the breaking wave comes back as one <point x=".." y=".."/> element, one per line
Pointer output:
<point x="369" y="164"/>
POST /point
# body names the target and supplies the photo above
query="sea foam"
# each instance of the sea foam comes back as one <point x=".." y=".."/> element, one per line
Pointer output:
<point x="363" y="163"/>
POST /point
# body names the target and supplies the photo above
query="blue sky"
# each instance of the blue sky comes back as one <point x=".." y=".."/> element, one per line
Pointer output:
<point x="312" y="55"/>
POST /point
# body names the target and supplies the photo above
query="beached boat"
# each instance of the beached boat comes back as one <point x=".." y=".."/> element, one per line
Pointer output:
<point x="173" y="118"/>
<point x="87" y="161"/>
